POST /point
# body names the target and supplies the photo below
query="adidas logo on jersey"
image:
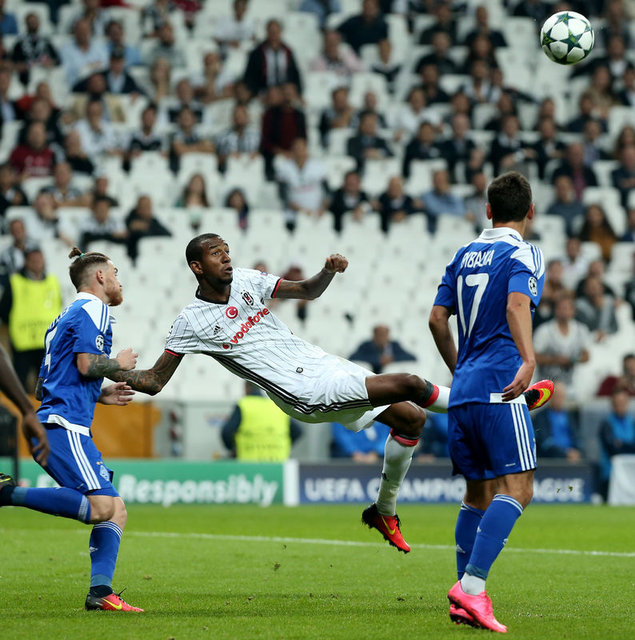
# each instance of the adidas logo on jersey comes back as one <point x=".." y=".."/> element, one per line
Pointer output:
<point x="251" y="321"/>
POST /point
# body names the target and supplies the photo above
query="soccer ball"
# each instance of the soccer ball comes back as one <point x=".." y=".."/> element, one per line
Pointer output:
<point x="567" y="37"/>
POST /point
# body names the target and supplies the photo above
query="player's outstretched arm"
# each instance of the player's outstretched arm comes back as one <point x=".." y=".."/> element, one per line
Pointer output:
<point x="31" y="426"/>
<point x="314" y="287"/>
<point x="150" y="381"/>
<point x="93" y="365"/>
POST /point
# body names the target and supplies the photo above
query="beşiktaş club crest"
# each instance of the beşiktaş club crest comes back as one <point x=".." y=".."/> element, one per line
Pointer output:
<point x="248" y="298"/>
<point x="99" y="342"/>
<point x="533" y="286"/>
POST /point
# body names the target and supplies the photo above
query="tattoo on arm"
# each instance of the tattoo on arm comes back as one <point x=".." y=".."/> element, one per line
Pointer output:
<point x="100" y="366"/>
<point x="150" y="381"/>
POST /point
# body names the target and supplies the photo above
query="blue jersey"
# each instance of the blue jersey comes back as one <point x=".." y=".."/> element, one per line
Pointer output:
<point x="69" y="398"/>
<point x="475" y="287"/>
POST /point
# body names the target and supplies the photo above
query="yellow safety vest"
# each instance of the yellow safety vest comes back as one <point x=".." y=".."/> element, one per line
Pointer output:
<point x="36" y="303"/>
<point x="263" y="433"/>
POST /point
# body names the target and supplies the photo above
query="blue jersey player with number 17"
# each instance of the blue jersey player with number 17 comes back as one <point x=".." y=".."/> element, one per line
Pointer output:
<point x="77" y="358"/>
<point x="493" y="285"/>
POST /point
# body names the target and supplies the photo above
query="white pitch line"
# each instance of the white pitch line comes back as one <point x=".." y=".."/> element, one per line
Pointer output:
<point x="355" y="543"/>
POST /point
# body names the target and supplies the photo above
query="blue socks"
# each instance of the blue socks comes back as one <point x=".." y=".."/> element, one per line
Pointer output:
<point x="103" y="547"/>
<point x="467" y="523"/>
<point x="491" y="536"/>
<point x="64" y="502"/>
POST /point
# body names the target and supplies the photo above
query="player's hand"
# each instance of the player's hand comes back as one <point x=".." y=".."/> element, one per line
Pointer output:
<point x="32" y="428"/>
<point x="127" y="359"/>
<point x="336" y="263"/>
<point x="519" y="383"/>
<point x="119" y="394"/>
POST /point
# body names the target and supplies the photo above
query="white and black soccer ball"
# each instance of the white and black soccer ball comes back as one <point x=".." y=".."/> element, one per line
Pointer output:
<point x="567" y="37"/>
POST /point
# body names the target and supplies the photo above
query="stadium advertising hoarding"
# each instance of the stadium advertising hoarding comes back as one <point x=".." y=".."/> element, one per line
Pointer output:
<point x="343" y="482"/>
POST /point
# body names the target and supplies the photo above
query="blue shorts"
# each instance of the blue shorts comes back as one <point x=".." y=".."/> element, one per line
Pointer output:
<point x="491" y="440"/>
<point x="75" y="463"/>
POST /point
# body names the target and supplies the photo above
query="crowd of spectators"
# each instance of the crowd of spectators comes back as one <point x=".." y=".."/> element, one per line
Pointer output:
<point x="437" y="114"/>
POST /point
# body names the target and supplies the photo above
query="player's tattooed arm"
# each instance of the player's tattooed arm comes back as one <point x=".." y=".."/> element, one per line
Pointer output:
<point x="314" y="287"/>
<point x="98" y="365"/>
<point x="150" y="381"/>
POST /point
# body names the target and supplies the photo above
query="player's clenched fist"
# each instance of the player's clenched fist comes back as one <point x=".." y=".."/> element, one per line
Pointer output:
<point x="336" y="263"/>
<point x="127" y="359"/>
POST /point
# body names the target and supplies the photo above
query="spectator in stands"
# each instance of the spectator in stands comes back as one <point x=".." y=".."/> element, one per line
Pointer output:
<point x="42" y="221"/>
<point x="370" y="104"/>
<point x="483" y="28"/>
<point x="146" y="138"/>
<point x="368" y="27"/>
<point x="596" y="309"/>
<point x="366" y="144"/>
<point x="597" y="228"/>
<point x="92" y="12"/>
<point x="93" y="88"/>
<point x="381" y="350"/>
<point x="272" y="63"/>
<point x="41" y="111"/>
<point x="282" y="123"/>
<point x="534" y="9"/>
<point x="142" y="223"/>
<point x="101" y="189"/>
<point x="230" y="32"/>
<point x="64" y="192"/>
<point x="430" y="83"/>
<point x="439" y="56"/>
<point x="595" y="269"/>
<point x="237" y="200"/>
<point x="626" y="96"/>
<point x="33" y="49"/>
<point x="561" y="343"/>
<point x="168" y="48"/>
<point x="629" y="234"/>
<point x="11" y="193"/>
<point x="476" y="201"/>
<point x="565" y="204"/>
<point x="75" y="154"/>
<point x="365" y="446"/>
<point x="601" y="91"/>
<point x="160" y="79"/>
<point x="407" y="118"/>
<point x="617" y="436"/>
<point x="302" y="183"/>
<point x="118" y="81"/>
<point x="194" y="194"/>
<point x="12" y="258"/>
<point x="190" y="9"/>
<point x="459" y="146"/>
<point x="616" y="21"/>
<point x="338" y="116"/>
<point x="573" y="166"/>
<point x="394" y="205"/>
<point x="424" y="146"/>
<point x="574" y="263"/>
<point x="505" y="106"/>
<point x="101" y="226"/>
<point x="440" y="200"/>
<point x="240" y="140"/>
<point x="84" y="54"/>
<point x="10" y="110"/>
<point x="215" y="82"/>
<point x="592" y="143"/>
<point x="386" y="65"/>
<point x="548" y="147"/>
<point x="625" y="381"/>
<point x="629" y="287"/>
<point x="553" y="289"/>
<point x="321" y="8"/>
<point x="616" y="60"/>
<point x="257" y="430"/>
<point x="96" y="134"/>
<point x="130" y="55"/>
<point x="30" y="302"/>
<point x="480" y="50"/>
<point x="585" y="111"/>
<point x="445" y="22"/>
<point x="8" y="23"/>
<point x="479" y="88"/>
<point x="349" y="200"/>
<point x="184" y="98"/>
<point x="336" y="56"/>
<point x="623" y="177"/>
<point x="509" y="152"/>
<point x="186" y="139"/>
<point x="154" y="15"/>
<point x="556" y="427"/>
<point x="34" y="158"/>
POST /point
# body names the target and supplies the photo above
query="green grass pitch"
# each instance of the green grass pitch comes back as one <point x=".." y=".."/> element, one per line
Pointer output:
<point x="244" y="572"/>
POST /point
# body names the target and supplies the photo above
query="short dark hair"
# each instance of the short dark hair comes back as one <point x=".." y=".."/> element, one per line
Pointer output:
<point x="509" y="197"/>
<point x="194" y="249"/>
<point x="77" y="270"/>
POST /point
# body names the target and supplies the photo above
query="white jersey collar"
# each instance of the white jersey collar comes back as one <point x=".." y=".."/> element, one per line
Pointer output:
<point x="499" y="232"/>
<point x="84" y="295"/>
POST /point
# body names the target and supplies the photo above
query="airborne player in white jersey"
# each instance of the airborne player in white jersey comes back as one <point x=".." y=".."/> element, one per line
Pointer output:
<point x="229" y="321"/>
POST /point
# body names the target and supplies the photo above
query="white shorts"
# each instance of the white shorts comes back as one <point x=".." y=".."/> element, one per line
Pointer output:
<point x="339" y="394"/>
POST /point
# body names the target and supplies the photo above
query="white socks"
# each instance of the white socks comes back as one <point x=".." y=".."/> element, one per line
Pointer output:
<point x="472" y="585"/>
<point x="397" y="459"/>
<point x="440" y="405"/>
